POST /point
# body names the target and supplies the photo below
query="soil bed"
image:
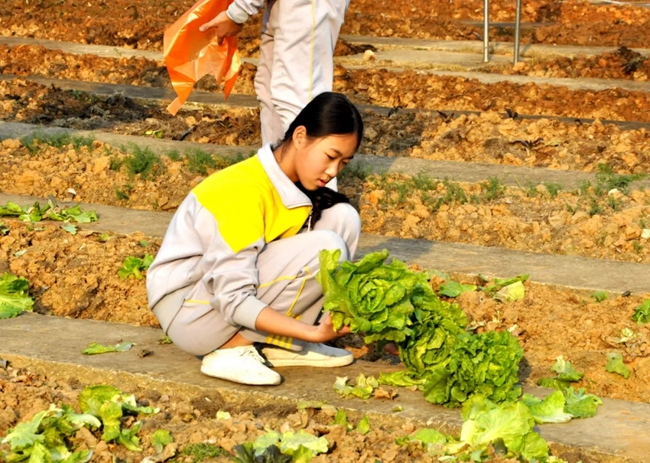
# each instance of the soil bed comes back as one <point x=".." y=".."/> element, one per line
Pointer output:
<point x="141" y="24"/>
<point x="408" y="89"/>
<point x="191" y="420"/>
<point x="28" y="60"/>
<point x="81" y="281"/>
<point x="487" y="137"/>
<point x="593" y="221"/>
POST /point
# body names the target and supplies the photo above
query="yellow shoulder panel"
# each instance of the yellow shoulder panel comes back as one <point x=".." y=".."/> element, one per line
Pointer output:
<point x="247" y="207"/>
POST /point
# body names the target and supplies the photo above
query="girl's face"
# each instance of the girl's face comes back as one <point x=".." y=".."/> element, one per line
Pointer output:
<point x="319" y="160"/>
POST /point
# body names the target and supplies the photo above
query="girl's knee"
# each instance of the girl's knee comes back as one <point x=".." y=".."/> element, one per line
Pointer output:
<point x="341" y="218"/>
<point x="330" y="240"/>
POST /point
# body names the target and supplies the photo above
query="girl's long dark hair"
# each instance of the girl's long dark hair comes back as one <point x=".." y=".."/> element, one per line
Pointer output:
<point x="327" y="114"/>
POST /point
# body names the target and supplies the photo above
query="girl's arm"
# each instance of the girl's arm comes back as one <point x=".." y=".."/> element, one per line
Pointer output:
<point x="277" y="323"/>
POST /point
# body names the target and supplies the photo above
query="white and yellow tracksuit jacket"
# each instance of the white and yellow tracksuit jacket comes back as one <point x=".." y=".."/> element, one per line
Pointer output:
<point x="219" y="230"/>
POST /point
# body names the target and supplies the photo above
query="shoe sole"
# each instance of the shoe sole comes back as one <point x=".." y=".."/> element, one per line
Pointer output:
<point x="329" y="363"/>
<point x="249" y="383"/>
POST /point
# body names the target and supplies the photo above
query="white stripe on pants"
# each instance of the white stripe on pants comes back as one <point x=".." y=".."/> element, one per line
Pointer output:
<point x="296" y="59"/>
<point x="287" y="268"/>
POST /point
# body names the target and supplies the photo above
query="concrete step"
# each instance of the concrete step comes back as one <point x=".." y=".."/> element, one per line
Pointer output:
<point x="52" y="345"/>
<point x="563" y="270"/>
<point x="470" y="172"/>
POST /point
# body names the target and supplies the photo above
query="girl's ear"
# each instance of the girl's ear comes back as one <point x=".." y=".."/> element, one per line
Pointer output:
<point x="299" y="137"/>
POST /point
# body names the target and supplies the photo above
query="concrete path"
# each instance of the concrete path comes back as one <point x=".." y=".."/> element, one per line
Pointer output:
<point x="617" y="434"/>
<point x="569" y="271"/>
<point x="452" y="170"/>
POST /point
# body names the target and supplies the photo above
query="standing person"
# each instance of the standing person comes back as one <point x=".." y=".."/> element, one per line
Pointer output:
<point x="238" y="263"/>
<point x="296" y="54"/>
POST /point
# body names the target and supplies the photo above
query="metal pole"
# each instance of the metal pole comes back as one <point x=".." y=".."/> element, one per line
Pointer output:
<point x="517" y="33"/>
<point x="486" y="27"/>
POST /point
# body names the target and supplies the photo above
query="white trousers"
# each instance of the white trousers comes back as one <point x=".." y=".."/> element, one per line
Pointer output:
<point x="296" y="59"/>
<point x="287" y="270"/>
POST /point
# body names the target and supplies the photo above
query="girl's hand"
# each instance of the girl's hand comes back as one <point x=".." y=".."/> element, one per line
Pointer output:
<point x="223" y="26"/>
<point x="325" y="330"/>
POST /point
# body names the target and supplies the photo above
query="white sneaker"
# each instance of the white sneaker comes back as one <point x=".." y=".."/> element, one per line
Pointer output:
<point x="241" y="365"/>
<point x="311" y="355"/>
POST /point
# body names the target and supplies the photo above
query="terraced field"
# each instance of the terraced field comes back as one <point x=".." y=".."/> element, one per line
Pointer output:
<point x="452" y="127"/>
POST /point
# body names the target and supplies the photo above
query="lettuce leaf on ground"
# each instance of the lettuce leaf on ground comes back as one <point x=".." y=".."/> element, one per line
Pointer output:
<point x="96" y="348"/>
<point x="565" y="371"/>
<point x="642" y="313"/>
<point x="580" y="404"/>
<point x="454" y="289"/>
<point x="547" y="410"/>
<point x="363" y="388"/>
<point x="109" y="404"/>
<point x="47" y="437"/>
<point x="615" y="365"/>
<point x="50" y="211"/>
<point x="134" y="266"/>
<point x="512" y="423"/>
<point x="14" y="296"/>
<point x="298" y="446"/>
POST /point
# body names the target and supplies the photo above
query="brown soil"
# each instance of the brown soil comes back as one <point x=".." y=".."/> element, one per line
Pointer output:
<point x="587" y="222"/>
<point x="33" y="60"/>
<point x="549" y="321"/>
<point x="411" y="89"/>
<point x="141" y="25"/>
<point x="476" y="138"/>
<point x="191" y="419"/>
<point x="622" y="64"/>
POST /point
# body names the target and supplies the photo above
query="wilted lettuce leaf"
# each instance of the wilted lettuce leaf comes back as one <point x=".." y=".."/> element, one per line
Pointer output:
<point x="487" y="423"/>
<point x="424" y="436"/>
<point x="500" y="283"/>
<point x="291" y="443"/>
<point x="129" y="437"/>
<point x="615" y="365"/>
<point x="363" y="388"/>
<point x="512" y="292"/>
<point x="110" y="414"/>
<point x="26" y="434"/>
<point x="14" y="296"/>
<point x="299" y="447"/>
<point x="580" y="404"/>
<point x="51" y="211"/>
<point x="95" y="348"/>
<point x="553" y="383"/>
<point x="93" y="397"/>
<point x="547" y="410"/>
<point x="642" y="313"/>
<point x="565" y="371"/>
<point x="45" y="437"/>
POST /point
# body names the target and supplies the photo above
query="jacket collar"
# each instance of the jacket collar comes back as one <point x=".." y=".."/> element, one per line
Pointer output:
<point x="289" y="193"/>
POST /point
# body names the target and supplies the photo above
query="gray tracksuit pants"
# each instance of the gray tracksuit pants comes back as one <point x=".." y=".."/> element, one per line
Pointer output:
<point x="287" y="270"/>
<point x="296" y="59"/>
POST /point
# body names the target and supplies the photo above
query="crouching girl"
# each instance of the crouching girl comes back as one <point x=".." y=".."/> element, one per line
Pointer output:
<point x="235" y="274"/>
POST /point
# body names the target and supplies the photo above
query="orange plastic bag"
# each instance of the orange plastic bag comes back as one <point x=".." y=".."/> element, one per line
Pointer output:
<point x="191" y="54"/>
